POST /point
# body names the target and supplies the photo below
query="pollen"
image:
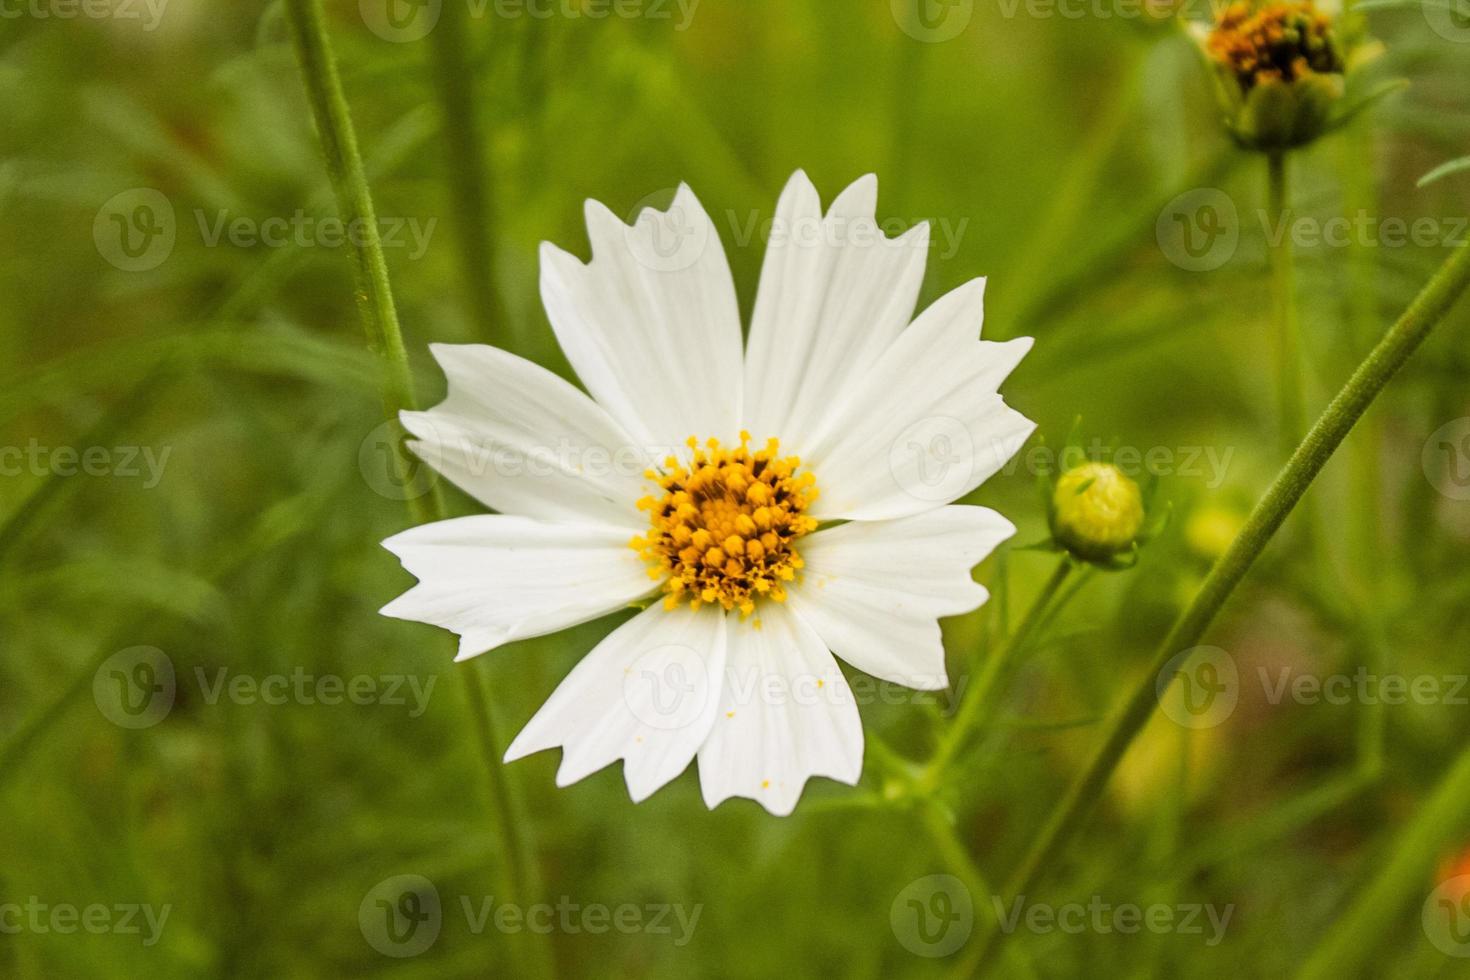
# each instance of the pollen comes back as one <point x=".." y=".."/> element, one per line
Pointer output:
<point x="723" y="526"/>
<point x="1275" y="42"/>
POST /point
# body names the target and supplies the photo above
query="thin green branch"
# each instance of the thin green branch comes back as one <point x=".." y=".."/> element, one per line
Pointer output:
<point x="54" y="487"/>
<point x="380" y="323"/>
<point x="1405" y="880"/>
<point x="946" y="838"/>
<point x="474" y="208"/>
<point x="1381" y="364"/>
<point x="1283" y="296"/>
<point x="226" y="562"/>
<point x="979" y="700"/>
<point x="338" y="138"/>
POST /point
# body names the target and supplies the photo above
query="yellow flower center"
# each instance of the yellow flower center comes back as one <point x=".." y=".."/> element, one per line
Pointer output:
<point x="1275" y="42"/>
<point x="724" y="528"/>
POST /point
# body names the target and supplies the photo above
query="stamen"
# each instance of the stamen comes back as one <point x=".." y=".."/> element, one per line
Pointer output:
<point x="1276" y="42"/>
<point x="724" y="526"/>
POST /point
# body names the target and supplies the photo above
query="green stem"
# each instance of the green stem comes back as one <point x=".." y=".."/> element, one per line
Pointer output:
<point x="1067" y="287"/>
<point x="1405" y="880"/>
<point x="1271" y="824"/>
<point x="380" y="323"/>
<point x="1292" y="421"/>
<point x="225" y="563"/>
<point x="1076" y="188"/>
<point x="54" y="489"/>
<point x="1381" y="364"/>
<point x="1283" y="295"/>
<point x="978" y="700"/>
<point x="1364" y="513"/>
<point x="460" y="127"/>
<point x="956" y="857"/>
<point x="338" y="139"/>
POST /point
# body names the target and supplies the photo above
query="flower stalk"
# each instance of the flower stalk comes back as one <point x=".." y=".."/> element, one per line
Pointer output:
<point x="384" y="336"/>
<point x="1404" y="879"/>
<point x="1283" y="294"/>
<point x="460" y="129"/>
<point x="976" y="705"/>
<point x="1331" y="428"/>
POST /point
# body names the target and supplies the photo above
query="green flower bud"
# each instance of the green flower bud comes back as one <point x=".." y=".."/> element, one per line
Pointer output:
<point x="1279" y="70"/>
<point x="1097" y="511"/>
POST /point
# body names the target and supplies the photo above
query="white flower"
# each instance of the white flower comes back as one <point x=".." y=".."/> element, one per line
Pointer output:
<point x="654" y="486"/>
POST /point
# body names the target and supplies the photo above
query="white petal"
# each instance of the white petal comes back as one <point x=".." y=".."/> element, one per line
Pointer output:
<point x="925" y="426"/>
<point x="523" y="441"/>
<point x="495" y="578"/>
<point x="646" y="694"/>
<point x="874" y="590"/>
<point x="651" y="325"/>
<point x="834" y="293"/>
<point x="786" y="714"/>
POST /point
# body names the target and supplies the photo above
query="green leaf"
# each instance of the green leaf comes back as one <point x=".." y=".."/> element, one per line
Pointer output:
<point x="1375" y="95"/>
<point x="1444" y="170"/>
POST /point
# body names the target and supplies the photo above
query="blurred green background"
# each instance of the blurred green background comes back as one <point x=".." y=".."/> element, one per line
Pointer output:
<point x="1049" y="152"/>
